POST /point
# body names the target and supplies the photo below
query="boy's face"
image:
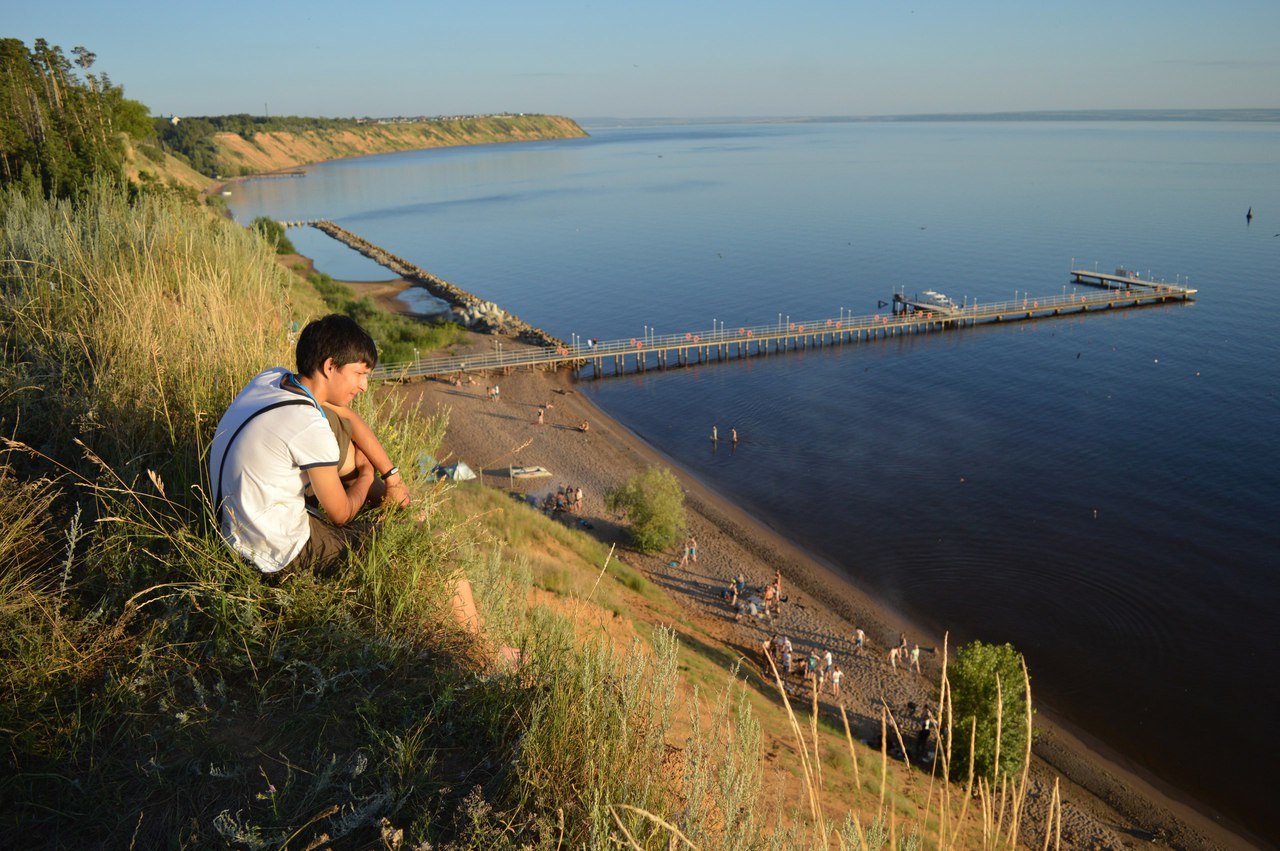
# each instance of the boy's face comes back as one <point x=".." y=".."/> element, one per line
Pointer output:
<point x="346" y="382"/>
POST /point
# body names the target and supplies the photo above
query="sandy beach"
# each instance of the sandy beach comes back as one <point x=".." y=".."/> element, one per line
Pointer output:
<point x="1106" y="804"/>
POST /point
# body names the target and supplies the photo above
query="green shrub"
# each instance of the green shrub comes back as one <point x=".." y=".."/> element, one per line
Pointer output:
<point x="654" y="503"/>
<point x="399" y="338"/>
<point x="988" y="689"/>
<point x="273" y="232"/>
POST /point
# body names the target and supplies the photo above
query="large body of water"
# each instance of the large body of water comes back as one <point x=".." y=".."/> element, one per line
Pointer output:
<point x="1102" y="491"/>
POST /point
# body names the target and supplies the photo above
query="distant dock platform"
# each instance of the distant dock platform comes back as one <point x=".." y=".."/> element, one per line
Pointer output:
<point x="916" y="315"/>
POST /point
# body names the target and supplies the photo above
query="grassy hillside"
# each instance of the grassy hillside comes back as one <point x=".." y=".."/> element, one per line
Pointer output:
<point x="239" y="154"/>
<point x="159" y="694"/>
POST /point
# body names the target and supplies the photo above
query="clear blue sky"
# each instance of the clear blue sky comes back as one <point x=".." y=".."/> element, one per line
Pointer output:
<point x="676" y="58"/>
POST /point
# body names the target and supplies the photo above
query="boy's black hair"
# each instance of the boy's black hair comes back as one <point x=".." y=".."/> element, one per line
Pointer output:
<point x="334" y="336"/>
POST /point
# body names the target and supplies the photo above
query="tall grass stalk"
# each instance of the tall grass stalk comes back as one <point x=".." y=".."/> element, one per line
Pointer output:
<point x="138" y="322"/>
<point x="802" y="747"/>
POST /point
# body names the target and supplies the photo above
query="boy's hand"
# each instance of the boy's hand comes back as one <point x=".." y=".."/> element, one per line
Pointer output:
<point x="397" y="492"/>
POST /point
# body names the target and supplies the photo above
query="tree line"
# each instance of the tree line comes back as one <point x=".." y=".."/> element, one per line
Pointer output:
<point x="192" y="139"/>
<point x="60" y="121"/>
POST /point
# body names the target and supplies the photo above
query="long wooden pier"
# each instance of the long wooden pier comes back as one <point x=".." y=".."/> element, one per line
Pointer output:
<point x="909" y="316"/>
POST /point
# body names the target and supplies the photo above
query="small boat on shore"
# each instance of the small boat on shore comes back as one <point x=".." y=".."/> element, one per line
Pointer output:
<point x="529" y="472"/>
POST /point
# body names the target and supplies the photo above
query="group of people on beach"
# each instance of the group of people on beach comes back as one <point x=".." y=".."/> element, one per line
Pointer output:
<point x="564" y="499"/>
<point x="908" y="658"/>
<point x="760" y="601"/>
<point x="820" y="673"/>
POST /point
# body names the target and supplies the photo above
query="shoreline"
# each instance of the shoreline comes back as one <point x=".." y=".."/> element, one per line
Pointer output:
<point x="1112" y="803"/>
<point x="1078" y="758"/>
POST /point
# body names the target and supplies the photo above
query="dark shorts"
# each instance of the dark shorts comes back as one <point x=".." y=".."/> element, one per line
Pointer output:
<point x="329" y="546"/>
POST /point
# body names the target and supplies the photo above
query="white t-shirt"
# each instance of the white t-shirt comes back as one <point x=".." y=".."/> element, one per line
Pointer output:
<point x="261" y="475"/>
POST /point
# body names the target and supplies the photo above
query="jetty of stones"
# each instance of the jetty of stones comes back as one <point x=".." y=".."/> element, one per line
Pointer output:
<point x="467" y="309"/>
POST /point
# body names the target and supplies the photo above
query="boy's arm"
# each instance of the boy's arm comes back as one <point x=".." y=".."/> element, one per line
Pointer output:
<point x="342" y="503"/>
<point x="367" y="442"/>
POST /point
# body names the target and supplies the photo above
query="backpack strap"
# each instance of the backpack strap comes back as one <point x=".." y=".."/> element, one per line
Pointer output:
<point x="227" y="450"/>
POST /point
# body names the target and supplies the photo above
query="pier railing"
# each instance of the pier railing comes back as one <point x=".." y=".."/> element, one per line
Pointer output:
<point x="701" y="345"/>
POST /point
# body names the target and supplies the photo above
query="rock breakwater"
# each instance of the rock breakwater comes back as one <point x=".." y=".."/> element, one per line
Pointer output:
<point x="467" y="309"/>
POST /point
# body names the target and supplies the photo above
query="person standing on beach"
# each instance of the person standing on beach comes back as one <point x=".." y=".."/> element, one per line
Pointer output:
<point x="915" y="658"/>
<point x="859" y="639"/>
<point x="836" y="676"/>
<point x="894" y="653"/>
<point x="926" y="733"/>
<point x="828" y="662"/>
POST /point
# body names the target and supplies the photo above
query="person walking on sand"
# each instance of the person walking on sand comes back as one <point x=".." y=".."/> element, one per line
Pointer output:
<point x="859" y="639"/>
<point x="894" y="653"/>
<point x="828" y="662"/>
<point x="541" y="416"/>
<point x="836" y="676"/>
<point x="915" y="658"/>
<point x="786" y="657"/>
<point x="902" y="645"/>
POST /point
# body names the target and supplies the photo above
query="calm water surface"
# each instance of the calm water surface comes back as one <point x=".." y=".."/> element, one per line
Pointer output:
<point x="1101" y="491"/>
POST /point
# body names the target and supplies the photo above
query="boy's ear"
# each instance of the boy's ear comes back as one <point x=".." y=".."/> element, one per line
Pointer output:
<point x="327" y="367"/>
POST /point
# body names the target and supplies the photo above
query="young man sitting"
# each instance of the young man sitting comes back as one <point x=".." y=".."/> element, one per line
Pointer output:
<point x="290" y="433"/>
